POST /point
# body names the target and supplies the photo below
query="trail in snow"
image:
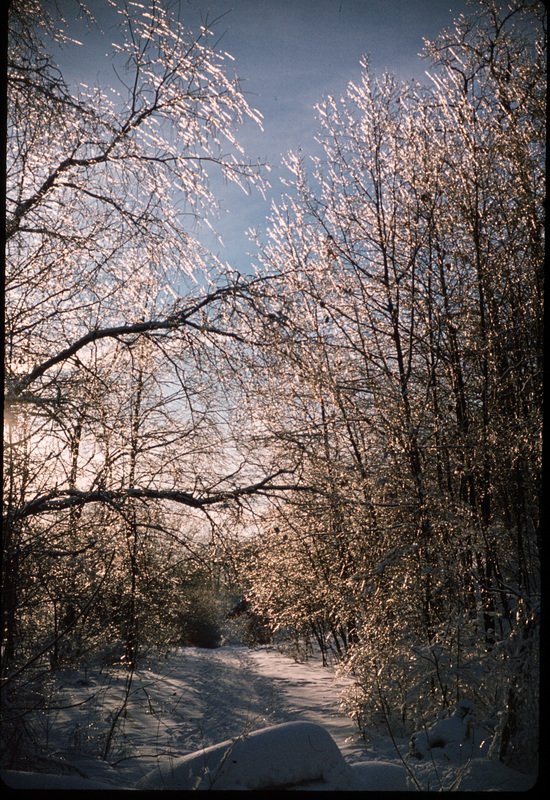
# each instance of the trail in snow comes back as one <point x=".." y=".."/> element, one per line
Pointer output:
<point x="310" y="692"/>
<point x="225" y="692"/>
<point x="199" y="698"/>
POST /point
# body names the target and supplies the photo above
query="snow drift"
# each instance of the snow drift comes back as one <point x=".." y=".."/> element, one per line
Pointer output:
<point x="280" y="756"/>
<point x="455" y="729"/>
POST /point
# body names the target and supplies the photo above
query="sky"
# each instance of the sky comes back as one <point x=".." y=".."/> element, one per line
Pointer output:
<point x="289" y="54"/>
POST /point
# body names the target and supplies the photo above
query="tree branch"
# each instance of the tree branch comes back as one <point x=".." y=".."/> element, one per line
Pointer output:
<point x="60" y="500"/>
<point x="172" y="322"/>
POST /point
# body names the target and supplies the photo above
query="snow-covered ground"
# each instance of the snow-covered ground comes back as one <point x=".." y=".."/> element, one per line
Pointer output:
<point x="235" y="718"/>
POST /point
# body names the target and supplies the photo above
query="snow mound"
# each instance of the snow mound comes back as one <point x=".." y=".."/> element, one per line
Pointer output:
<point x="381" y="776"/>
<point x="451" y="730"/>
<point x="294" y="753"/>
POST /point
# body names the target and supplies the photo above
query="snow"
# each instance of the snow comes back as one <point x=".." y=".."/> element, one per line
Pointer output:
<point x="453" y="729"/>
<point x="238" y="718"/>
<point x="288" y="754"/>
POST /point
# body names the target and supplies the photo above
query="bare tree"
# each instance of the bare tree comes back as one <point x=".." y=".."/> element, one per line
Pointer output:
<point x="406" y="313"/>
<point x="114" y="313"/>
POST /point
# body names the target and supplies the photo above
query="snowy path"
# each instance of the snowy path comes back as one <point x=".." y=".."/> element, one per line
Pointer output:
<point x="198" y="698"/>
<point x="225" y="692"/>
<point x="228" y="692"/>
<point x="310" y="692"/>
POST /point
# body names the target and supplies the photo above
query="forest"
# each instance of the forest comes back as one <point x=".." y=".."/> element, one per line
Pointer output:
<point x="337" y="452"/>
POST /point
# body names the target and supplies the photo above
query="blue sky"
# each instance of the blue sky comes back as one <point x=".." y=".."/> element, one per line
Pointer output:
<point x="289" y="54"/>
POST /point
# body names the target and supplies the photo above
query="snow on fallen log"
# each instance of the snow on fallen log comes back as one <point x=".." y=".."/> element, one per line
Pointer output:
<point x="294" y="753"/>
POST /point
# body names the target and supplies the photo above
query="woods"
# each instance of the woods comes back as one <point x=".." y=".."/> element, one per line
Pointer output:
<point x="350" y="437"/>
<point x="410" y="264"/>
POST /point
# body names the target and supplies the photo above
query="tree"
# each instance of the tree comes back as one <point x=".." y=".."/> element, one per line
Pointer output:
<point x="113" y="314"/>
<point x="407" y="284"/>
